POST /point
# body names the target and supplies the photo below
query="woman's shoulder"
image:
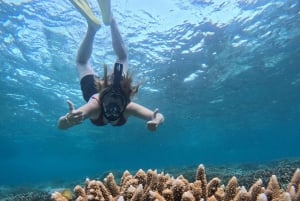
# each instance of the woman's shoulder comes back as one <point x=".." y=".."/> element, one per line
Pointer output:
<point x="95" y="97"/>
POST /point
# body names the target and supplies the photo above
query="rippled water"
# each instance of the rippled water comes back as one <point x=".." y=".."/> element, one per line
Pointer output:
<point x="226" y="75"/>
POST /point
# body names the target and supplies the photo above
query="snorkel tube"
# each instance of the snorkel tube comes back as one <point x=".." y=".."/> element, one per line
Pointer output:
<point x="118" y="71"/>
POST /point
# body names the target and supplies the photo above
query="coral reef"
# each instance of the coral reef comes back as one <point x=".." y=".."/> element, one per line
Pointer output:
<point x="29" y="196"/>
<point x="153" y="186"/>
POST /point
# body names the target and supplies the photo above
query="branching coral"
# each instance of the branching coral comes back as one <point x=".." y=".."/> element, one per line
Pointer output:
<point x="152" y="186"/>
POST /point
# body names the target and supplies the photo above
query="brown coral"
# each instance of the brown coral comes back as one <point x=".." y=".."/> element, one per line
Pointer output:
<point x="79" y="193"/>
<point x="242" y="195"/>
<point x="231" y="188"/>
<point x="255" y="190"/>
<point x="212" y="186"/>
<point x="57" y="196"/>
<point x="187" y="196"/>
<point x="178" y="189"/>
<point x="138" y="193"/>
<point x="295" y="181"/>
<point x="155" y="196"/>
<point x="151" y="186"/>
<point x="141" y="176"/>
<point x="168" y="194"/>
<point x="196" y="189"/>
<point x="201" y="176"/>
<point x="112" y="185"/>
<point x="273" y="189"/>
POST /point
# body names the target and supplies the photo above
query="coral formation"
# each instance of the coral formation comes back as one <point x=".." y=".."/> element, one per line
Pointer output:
<point x="28" y="196"/>
<point x="153" y="186"/>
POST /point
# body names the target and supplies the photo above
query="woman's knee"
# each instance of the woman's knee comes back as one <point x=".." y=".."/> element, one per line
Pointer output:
<point x="84" y="69"/>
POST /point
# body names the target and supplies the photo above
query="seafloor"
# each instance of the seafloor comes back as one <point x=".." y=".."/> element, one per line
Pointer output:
<point x="247" y="174"/>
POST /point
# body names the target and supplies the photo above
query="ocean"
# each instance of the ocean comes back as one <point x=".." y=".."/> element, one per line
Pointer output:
<point x="225" y="74"/>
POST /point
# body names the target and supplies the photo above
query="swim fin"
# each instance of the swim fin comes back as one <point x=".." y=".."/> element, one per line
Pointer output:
<point x="105" y="7"/>
<point x="84" y="8"/>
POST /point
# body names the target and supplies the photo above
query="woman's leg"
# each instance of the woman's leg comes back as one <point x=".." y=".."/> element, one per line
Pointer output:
<point x="118" y="45"/>
<point x="117" y="41"/>
<point x="86" y="73"/>
<point x="85" y="51"/>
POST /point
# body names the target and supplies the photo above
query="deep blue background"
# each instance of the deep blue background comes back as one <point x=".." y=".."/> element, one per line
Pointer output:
<point x="225" y="75"/>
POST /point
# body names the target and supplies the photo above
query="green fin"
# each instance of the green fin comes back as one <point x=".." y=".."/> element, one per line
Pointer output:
<point x="84" y="8"/>
<point x="105" y="7"/>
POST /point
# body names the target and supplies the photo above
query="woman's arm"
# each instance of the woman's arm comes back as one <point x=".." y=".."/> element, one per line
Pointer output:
<point x="153" y="118"/>
<point x="77" y="116"/>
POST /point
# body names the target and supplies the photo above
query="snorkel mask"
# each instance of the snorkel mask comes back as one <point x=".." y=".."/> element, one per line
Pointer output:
<point x="113" y="102"/>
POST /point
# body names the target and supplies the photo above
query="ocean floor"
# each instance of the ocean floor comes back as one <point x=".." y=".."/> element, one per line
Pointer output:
<point x="246" y="174"/>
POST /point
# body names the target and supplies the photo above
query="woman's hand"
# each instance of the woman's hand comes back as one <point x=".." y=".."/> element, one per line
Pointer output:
<point x="73" y="117"/>
<point x="157" y="119"/>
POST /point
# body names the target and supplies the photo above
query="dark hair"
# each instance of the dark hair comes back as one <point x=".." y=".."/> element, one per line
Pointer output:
<point x="126" y="84"/>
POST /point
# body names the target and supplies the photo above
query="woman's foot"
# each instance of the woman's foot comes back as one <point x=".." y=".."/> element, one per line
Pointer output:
<point x="105" y="7"/>
<point x="84" y="8"/>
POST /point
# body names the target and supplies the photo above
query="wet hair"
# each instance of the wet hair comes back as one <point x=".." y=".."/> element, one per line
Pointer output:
<point x="126" y="84"/>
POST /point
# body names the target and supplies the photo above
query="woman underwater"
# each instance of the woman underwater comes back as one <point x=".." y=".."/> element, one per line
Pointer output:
<point x="108" y="100"/>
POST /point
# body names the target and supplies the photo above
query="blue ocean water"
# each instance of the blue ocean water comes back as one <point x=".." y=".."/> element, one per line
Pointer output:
<point x="226" y="75"/>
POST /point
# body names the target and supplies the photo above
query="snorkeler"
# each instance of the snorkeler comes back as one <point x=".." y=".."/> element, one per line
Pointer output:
<point x="108" y="100"/>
